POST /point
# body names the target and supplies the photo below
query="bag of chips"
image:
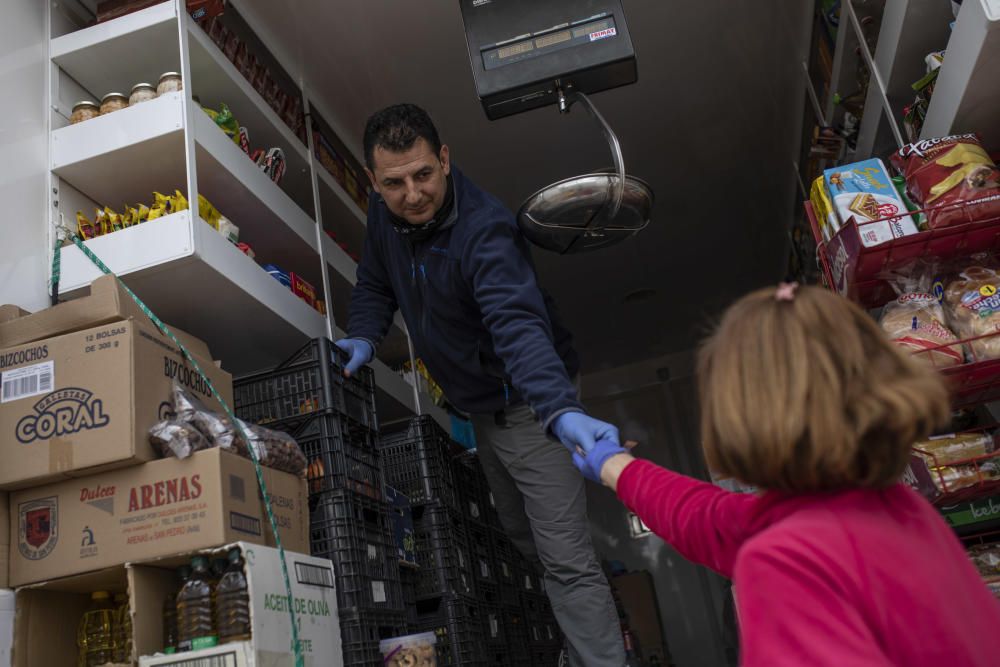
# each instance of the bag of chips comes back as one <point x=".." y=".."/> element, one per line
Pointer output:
<point x="941" y="174"/>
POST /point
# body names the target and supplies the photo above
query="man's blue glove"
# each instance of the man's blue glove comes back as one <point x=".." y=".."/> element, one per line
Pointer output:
<point x="591" y="464"/>
<point x="360" y="353"/>
<point x="575" y="429"/>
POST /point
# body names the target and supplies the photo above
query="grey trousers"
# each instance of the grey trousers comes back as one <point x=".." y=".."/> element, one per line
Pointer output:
<point x="540" y="497"/>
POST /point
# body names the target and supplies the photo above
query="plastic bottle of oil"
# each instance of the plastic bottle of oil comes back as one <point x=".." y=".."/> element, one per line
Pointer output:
<point x="95" y="636"/>
<point x="217" y="569"/>
<point x="195" y="625"/>
<point x="233" y="611"/>
<point x="122" y="629"/>
<point x="170" y="640"/>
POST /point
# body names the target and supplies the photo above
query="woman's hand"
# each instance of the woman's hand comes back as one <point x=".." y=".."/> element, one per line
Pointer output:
<point x="604" y="463"/>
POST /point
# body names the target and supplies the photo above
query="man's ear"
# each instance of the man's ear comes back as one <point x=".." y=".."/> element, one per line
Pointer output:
<point x="371" y="177"/>
<point x="445" y="157"/>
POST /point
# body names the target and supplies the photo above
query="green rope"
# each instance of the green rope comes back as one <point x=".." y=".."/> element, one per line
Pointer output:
<point x="56" y="270"/>
<point x="296" y="648"/>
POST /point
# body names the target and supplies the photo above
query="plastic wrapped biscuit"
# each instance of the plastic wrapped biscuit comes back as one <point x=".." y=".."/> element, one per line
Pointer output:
<point x="954" y="448"/>
<point x="410" y="651"/>
<point x="916" y="321"/>
<point x="176" y="438"/>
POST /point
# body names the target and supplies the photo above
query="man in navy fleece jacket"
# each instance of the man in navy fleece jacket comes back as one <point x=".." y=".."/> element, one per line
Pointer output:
<point x="450" y="258"/>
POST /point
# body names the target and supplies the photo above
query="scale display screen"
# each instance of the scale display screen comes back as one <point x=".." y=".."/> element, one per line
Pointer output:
<point x="540" y="43"/>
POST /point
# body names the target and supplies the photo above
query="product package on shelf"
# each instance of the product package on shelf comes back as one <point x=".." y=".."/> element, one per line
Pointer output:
<point x="951" y="468"/>
<point x="953" y="177"/>
<point x="863" y="192"/>
<point x="915" y="320"/>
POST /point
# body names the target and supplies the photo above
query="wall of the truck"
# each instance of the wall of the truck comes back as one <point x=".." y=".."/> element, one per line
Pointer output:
<point x="24" y="146"/>
<point x="655" y="404"/>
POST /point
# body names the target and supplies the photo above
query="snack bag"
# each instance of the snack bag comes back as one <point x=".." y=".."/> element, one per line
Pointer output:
<point x="227" y="123"/>
<point x="161" y="206"/>
<point x="972" y="308"/>
<point x="864" y="192"/>
<point x="943" y="173"/>
<point x="178" y="202"/>
<point x="141" y="215"/>
<point x="208" y="212"/>
<point x="84" y="227"/>
<point x="823" y="207"/>
<point x="176" y="438"/>
<point x="916" y="320"/>
<point x="273" y="449"/>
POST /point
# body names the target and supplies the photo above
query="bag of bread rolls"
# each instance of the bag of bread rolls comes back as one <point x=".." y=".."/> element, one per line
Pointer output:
<point x="916" y="321"/>
<point x="972" y="307"/>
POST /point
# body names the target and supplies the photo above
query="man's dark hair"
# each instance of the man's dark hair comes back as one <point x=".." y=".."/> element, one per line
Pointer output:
<point x="396" y="129"/>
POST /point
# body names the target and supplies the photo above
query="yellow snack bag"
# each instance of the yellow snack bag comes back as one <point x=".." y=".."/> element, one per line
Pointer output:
<point x="161" y="206"/>
<point x="141" y="215"/>
<point x="823" y="207"/>
<point x="178" y="202"/>
<point x="112" y="221"/>
<point x="208" y="212"/>
<point x="84" y="227"/>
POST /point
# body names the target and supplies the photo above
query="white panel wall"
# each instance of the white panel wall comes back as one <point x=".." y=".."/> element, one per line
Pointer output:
<point x="23" y="145"/>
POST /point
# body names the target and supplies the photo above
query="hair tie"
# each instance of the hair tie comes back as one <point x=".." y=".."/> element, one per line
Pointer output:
<point x="786" y="292"/>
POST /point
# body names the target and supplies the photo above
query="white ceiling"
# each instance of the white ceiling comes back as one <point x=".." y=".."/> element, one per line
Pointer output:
<point x="712" y="125"/>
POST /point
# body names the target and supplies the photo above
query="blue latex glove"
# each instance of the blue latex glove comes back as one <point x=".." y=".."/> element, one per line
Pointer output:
<point x="359" y="351"/>
<point x="577" y="430"/>
<point x="591" y="464"/>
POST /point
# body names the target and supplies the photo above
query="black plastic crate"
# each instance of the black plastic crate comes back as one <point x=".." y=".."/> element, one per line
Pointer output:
<point x="361" y="632"/>
<point x="470" y="483"/>
<point x="458" y="625"/>
<point x="352" y="530"/>
<point x="517" y="652"/>
<point x="545" y="656"/>
<point x="481" y="546"/>
<point x="505" y="568"/>
<point x="416" y="456"/>
<point x="443" y="554"/>
<point x="409" y="577"/>
<point x="311" y="380"/>
<point x="341" y="453"/>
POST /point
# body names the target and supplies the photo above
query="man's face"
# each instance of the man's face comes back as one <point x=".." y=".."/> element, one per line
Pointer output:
<point x="412" y="183"/>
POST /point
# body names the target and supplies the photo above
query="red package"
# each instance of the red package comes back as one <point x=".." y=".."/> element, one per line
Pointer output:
<point x="941" y="174"/>
<point x="303" y="289"/>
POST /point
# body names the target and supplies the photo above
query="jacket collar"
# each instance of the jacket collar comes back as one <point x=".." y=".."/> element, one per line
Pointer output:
<point x="445" y="217"/>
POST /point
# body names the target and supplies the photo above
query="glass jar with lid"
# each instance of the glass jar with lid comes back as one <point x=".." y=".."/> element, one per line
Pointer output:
<point x="141" y="92"/>
<point x="113" y="102"/>
<point x="170" y="82"/>
<point x="84" y="110"/>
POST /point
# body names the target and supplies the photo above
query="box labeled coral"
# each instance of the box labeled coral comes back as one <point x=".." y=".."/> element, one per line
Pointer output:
<point x="83" y="402"/>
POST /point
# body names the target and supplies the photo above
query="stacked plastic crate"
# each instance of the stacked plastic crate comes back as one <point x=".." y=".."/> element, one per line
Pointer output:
<point x="333" y="418"/>
<point x="419" y="460"/>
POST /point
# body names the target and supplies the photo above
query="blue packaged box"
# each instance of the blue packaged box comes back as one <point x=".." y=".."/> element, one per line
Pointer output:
<point x="402" y="525"/>
<point x="864" y="192"/>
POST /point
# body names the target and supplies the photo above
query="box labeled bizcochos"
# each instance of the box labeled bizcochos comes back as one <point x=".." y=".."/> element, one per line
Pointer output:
<point x="83" y="402"/>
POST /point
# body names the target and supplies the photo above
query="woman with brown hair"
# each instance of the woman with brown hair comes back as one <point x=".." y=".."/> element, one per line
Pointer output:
<point x="834" y="562"/>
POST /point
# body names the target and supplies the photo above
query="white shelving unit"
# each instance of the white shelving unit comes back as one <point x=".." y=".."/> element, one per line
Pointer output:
<point x="967" y="94"/>
<point x="167" y="144"/>
<point x="966" y="97"/>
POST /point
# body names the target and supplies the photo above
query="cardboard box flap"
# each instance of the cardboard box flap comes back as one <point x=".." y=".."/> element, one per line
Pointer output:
<point x="107" y="303"/>
<point x="10" y="312"/>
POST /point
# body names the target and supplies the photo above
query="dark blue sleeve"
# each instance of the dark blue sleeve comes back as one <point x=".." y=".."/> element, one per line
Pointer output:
<point x="373" y="302"/>
<point x="497" y="265"/>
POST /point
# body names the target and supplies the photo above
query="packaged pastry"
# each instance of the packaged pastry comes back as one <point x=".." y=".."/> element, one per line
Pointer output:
<point x="942" y="174"/>
<point x="986" y="558"/>
<point x="272" y="449"/>
<point x="176" y="438"/>
<point x="915" y="320"/>
<point x="410" y="651"/>
<point x="954" y="448"/>
<point x="972" y="308"/>
<point x="949" y="479"/>
<point x="863" y="192"/>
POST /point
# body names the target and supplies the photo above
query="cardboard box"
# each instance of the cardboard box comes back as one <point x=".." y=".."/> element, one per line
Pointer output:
<point x="83" y="402"/>
<point x="4" y="541"/>
<point x="48" y="613"/>
<point x="107" y="303"/>
<point x="160" y="508"/>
